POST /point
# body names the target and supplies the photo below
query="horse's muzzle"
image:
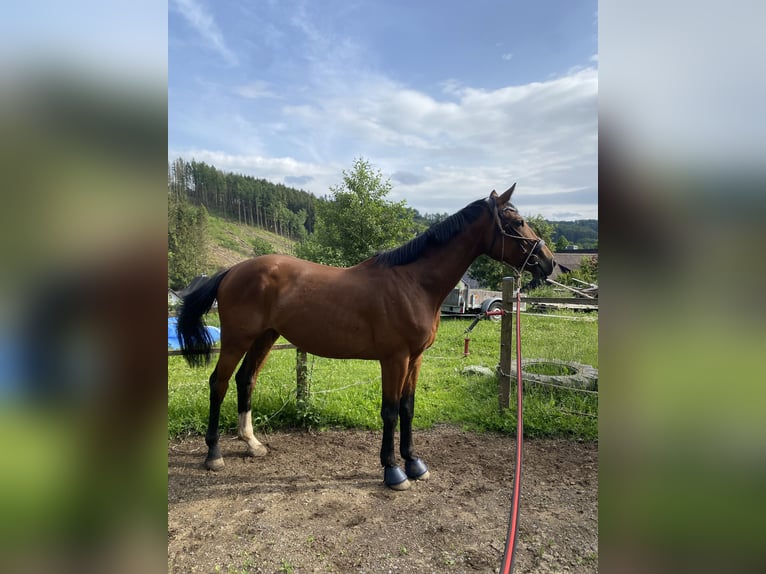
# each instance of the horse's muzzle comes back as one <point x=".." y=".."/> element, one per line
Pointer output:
<point x="541" y="261"/>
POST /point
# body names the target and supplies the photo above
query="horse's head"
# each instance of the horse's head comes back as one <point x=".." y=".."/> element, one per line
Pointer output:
<point x="514" y="241"/>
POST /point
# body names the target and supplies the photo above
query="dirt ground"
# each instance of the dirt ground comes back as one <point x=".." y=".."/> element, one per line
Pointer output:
<point x="317" y="503"/>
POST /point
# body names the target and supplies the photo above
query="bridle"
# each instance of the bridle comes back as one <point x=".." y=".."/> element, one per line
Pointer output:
<point x="531" y="254"/>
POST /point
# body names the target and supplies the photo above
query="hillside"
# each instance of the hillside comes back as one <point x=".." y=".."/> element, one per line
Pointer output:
<point x="582" y="232"/>
<point x="232" y="242"/>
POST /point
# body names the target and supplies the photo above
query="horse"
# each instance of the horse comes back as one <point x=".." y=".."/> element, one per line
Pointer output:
<point x="386" y="308"/>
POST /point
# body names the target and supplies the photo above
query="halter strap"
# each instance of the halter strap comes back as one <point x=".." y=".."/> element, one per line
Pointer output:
<point x="538" y="243"/>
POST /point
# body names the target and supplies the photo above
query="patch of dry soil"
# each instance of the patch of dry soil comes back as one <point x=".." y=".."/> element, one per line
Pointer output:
<point x="317" y="503"/>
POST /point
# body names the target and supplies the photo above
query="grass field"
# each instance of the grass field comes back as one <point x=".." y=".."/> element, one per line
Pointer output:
<point x="346" y="393"/>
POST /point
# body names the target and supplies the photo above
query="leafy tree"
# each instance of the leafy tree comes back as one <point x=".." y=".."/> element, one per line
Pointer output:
<point x="542" y="227"/>
<point x="561" y="243"/>
<point x="187" y="241"/>
<point x="489" y="273"/>
<point x="587" y="272"/>
<point x="261" y="247"/>
<point x="357" y="221"/>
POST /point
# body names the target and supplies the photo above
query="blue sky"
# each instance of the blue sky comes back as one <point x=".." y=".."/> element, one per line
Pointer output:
<point x="448" y="99"/>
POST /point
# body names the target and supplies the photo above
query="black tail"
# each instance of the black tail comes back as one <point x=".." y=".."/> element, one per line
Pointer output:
<point x="192" y="334"/>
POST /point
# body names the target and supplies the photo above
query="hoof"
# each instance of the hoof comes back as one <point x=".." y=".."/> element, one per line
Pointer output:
<point x="254" y="447"/>
<point x="395" y="479"/>
<point x="214" y="463"/>
<point x="416" y="469"/>
<point x="260" y="450"/>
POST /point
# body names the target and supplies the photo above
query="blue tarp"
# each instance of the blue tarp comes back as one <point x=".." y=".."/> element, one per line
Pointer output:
<point x="215" y="334"/>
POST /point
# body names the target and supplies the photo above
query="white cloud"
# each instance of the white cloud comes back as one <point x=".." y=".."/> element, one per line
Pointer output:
<point x="542" y="135"/>
<point x="234" y="162"/>
<point x="276" y="169"/>
<point x="255" y="90"/>
<point x="199" y="18"/>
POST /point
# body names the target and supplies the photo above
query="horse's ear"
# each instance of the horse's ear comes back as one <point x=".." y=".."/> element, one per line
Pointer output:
<point x="506" y="197"/>
<point x="493" y="195"/>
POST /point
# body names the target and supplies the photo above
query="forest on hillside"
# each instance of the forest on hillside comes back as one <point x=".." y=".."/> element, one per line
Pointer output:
<point x="582" y="232"/>
<point x="245" y="199"/>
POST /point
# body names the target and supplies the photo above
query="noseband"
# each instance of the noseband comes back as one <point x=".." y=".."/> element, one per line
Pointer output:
<point x="537" y="244"/>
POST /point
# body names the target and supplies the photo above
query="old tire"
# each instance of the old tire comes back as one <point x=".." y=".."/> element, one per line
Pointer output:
<point x="576" y="375"/>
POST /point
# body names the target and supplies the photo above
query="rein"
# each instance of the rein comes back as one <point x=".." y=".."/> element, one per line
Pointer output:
<point x="513" y="521"/>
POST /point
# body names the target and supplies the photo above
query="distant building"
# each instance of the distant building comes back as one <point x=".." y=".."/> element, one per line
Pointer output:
<point x="173" y="298"/>
<point x="570" y="260"/>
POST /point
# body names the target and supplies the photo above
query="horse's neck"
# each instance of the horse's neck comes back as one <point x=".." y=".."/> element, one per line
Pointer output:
<point x="443" y="266"/>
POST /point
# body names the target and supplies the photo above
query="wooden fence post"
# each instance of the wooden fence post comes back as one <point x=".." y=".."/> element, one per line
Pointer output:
<point x="506" y="345"/>
<point x="301" y="377"/>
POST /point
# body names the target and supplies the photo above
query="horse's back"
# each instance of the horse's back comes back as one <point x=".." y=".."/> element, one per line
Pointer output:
<point x="356" y="312"/>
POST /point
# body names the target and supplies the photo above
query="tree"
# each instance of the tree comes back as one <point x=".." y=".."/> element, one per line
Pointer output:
<point x="357" y="221"/>
<point x="561" y="243"/>
<point x="489" y="273"/>
<point x="262" y="247"/>
<point x="588" y="271"/>
<point x="187" y="241"/>
<point x="543" y="228"/>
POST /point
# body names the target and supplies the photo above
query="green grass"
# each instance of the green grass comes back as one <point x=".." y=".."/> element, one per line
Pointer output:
<point x="346" y="393"/>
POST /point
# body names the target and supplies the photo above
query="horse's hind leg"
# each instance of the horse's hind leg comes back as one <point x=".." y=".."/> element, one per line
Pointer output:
<point x="219" y="384"/>
<point x="247" y="375"/>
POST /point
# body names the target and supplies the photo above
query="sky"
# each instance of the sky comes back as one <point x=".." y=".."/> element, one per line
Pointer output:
<point x="447" y="99"/>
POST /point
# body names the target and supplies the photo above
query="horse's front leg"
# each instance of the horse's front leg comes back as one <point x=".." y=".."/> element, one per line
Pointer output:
<point x="245" y="382"/>
<point x="414" y="466"/>
<point x="393" y="374"/>
<point x="246" y="379"/>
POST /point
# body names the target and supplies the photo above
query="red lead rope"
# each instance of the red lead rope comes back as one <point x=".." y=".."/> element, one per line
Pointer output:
<point x="513" y="522"/>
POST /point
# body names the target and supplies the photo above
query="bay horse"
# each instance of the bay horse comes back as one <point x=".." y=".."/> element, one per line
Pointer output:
<point x="386" y="308"/>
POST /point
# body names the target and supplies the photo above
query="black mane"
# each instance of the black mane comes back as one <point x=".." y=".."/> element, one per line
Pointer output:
<point x="437" y="234"/>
